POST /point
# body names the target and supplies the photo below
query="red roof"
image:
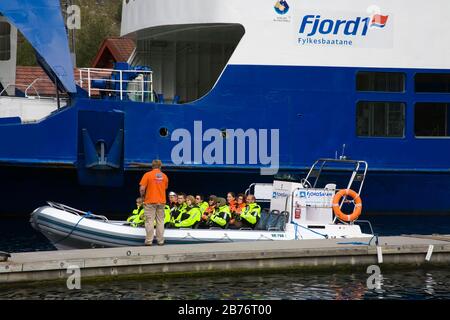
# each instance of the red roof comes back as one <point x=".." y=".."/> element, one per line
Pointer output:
<point x="25" y="76"/>
<point x="113" y="50"/>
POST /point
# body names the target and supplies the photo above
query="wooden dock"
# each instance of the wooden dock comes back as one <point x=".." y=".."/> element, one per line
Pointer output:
<point x="215" y="257"/>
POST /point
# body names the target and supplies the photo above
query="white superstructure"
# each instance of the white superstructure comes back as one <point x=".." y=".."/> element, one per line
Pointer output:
<point x="414" y="35"/>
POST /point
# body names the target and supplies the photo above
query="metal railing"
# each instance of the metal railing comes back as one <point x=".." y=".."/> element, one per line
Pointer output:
<point x="252" y="190"/>
<point x="31" y="85"/>
<point x="74" y="211"/>
<point x="26" y="87"/>
<point x="138" y="89"/>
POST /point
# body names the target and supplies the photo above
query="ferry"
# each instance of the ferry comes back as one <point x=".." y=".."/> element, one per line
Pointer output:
<point x="302" y="210"/>
<point x="294" y="80"/>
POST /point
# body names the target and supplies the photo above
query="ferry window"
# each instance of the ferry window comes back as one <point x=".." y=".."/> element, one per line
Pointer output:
<point x="5" y="41"/>
<point x="431" y="120"/>
<point x="380" y="119"/>
<point x="380" y="81"/>
<point x="433" y="82"/>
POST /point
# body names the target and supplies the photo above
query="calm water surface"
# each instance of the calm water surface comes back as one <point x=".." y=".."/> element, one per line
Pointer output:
<point x="405" y="285"/>
<point x="16" y="235"/>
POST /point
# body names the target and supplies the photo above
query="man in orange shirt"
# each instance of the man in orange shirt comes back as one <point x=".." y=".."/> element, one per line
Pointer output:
<point x="153" y="188"/>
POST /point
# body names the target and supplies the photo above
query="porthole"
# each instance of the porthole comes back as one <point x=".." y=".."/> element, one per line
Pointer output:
<point x="164" y="132"/>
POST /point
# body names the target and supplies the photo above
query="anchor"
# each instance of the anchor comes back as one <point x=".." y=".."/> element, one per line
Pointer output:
<point x="96" y="157"/>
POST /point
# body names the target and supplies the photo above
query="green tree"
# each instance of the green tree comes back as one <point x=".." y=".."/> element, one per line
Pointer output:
<point x="25" y="52"/>
<point x="99" y="20"/>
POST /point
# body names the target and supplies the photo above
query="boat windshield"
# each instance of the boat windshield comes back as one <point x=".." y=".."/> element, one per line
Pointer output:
<point x="186" y="60"/>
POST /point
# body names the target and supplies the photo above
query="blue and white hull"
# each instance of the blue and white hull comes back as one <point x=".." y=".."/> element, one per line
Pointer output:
<point x="71" y="231"/>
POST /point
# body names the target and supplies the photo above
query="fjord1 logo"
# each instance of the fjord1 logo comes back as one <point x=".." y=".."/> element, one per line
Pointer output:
<point x="340" y="29"/>
<point x="281" y="7"/>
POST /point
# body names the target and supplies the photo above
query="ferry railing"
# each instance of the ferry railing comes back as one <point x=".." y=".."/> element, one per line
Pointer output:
<point x="31" y="85"/>
<point x="25" y="86"/>
<point x="144" y="84"/>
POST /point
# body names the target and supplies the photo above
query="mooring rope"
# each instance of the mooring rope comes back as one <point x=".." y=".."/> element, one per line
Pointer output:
<point x="297" y="225"/>
<point x="88" y="214"/>
<point x="356" y="243"/>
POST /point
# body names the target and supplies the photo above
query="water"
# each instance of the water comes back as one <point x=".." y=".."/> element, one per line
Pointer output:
<point x="16" y="235"/>
<point x="408" y="285"/>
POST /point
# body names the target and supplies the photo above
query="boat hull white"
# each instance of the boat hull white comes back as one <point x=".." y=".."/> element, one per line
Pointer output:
<point x="69" y="231"/>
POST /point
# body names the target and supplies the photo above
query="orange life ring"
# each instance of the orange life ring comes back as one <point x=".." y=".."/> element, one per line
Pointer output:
<point x="337" y="207"/>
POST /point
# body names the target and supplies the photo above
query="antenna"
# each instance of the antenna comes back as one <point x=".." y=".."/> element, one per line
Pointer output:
<point x="343" y="157"/>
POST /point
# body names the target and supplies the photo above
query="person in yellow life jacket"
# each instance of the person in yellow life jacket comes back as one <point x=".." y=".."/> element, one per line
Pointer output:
<point x="191" y="217"/>
<point x="251" y="214"/>
<point x="201" y="203"/>
<point x="173" y="199"/>
<point x="168" y="209"/>
<point x="137" y="217"/>
<point x="181" y="208"/>
<point x="167" y="216"/>
<point x="221" y="215"/>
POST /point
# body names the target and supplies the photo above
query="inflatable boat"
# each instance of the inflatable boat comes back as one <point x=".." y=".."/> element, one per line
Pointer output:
<point x="298" y="210"/>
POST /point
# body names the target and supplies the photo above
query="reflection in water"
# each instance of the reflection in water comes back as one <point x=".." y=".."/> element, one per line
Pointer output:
<point x="429" y="283"/>
<point x="409" y="285"/>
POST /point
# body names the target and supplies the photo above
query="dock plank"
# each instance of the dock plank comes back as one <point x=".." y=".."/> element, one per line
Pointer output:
<point x="327" y="253"/>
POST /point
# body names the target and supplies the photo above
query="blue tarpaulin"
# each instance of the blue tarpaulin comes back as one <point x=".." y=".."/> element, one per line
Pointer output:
<point x="41" y="22"/>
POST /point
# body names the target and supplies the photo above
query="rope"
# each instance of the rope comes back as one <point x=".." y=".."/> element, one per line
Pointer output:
<point x="296" y="231"/>
<point x="88" y="214"/>
<point x="297" y="225"/>
<point x="356" y="243"/>
<point x="225" y="237"/>
<point x="262" y="236"/>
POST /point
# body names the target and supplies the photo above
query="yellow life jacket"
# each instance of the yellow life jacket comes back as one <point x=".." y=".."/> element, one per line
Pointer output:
<point x="137" y="217"/>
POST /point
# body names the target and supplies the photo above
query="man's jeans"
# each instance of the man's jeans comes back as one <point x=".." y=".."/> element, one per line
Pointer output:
<point x="152" y="211"/>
